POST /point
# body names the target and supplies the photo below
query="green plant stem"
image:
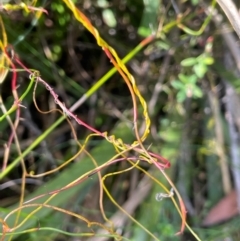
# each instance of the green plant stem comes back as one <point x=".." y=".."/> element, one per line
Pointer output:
<point x="110" y="73"/>
<point x="31" y="147"/>
<point x="15" y="106"/>
<point x="63" y="232"/>
<point x="74" y="107"/>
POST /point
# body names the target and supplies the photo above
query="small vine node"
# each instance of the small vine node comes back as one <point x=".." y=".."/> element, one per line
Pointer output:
<point x="160" y="196"/>
<point x="34" y="75"/>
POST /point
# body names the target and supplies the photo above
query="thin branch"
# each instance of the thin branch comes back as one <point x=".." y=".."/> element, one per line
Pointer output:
<point x="232" y="14"/>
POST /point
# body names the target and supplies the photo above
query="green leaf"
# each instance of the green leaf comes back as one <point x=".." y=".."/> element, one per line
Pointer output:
<point x="192" y="79"/>
<point x="177" y="84"/>
<point x="109" y="18"/>
<point x="163" y="45"/>
<point x="181" y="96"/>
<point x="102" y="3"/>
<point x="188" y="62"/>
<point x="195" y="2"/>
<point x="149" y="17"/>
<point x="197" y="92"/>
<point x="208" y="60"/>
<point x="200" y="70"/>
<point x="183" y="78"/>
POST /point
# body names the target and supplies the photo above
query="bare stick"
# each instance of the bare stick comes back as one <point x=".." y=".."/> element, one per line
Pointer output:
<point x="232" y="14"/>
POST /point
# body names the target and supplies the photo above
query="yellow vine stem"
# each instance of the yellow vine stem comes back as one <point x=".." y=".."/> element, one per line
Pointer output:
<point x="81" y="146"/>
<point x="109" y="195"/>
<point x="82" y="149"/>
<point x="5" y="228"/>
<point x="118" y="206"/>
<point x="130" y="81"/>
<point x="132" y="91"/>
<point x="41" y="205"/>
<point x="120" y="67"/>
<point x="13" y="128"/>
<point x="27" y="8"/>
<point x="179" y="209"/>
<point x="55" y="192"/>
<point x="4" y="61"/>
